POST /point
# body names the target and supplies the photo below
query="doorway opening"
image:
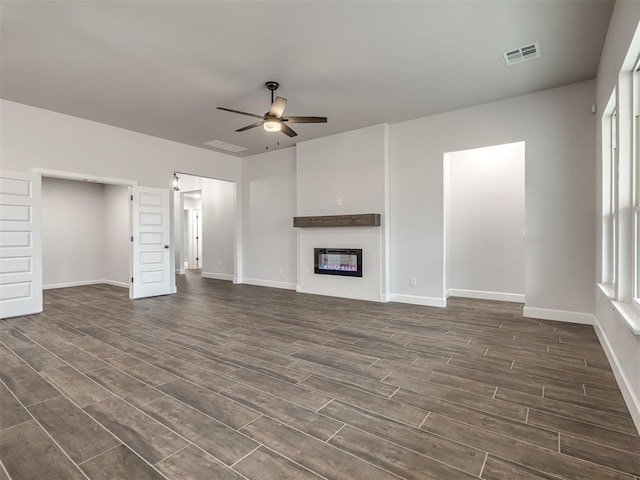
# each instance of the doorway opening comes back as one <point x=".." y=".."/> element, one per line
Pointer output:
<point x="484" y="223"/>
<point x="192" y="231"/>
<point x="86" y="229"/>
<point x="205" y="227"/>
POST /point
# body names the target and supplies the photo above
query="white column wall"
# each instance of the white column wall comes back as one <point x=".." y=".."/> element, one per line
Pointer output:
<point x="337" y="175"/>
<point x="218" y="228"/>
<point x="268" y="208"/>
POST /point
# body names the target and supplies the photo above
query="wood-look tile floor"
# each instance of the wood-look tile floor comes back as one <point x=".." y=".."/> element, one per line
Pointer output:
<point x="227" y="381"/>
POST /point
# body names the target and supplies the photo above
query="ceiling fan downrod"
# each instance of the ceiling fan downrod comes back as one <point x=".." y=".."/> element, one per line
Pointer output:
<point x="273" y="86"/>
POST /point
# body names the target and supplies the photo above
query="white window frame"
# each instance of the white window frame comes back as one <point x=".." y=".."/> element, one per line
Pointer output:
<point x="636" y="186"/>
<point x="609" y="176"/>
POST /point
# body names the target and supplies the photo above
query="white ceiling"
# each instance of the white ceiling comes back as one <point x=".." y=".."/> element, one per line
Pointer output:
<point x="162" y="67"/>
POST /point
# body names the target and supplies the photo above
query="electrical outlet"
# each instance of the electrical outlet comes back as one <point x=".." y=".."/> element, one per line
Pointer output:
<point x="413" y="281"/>
<point x="280" y="270"/>
<point x="220" y="264"/>
<point x="337" y="202"/>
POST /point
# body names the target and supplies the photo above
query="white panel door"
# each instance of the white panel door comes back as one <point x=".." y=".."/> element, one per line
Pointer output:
<point x="151" y="265"/>
<point x="20" y="244"/>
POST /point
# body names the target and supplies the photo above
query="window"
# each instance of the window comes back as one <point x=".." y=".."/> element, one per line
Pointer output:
<point x="613" y="201"/>
<point x="620" y="278"/>
<point x="621" y="190"/>
<point x="609" y="193"/>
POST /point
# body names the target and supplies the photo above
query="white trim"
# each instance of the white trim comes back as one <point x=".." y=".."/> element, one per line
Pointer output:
<point x="218" y="276"/>
<point x="85" y="283"/>
<point x="385" y="297"/>
<point x="630" y="315"/>
<point x="116" y="284"/>
<point x="181" y="271"/>
<point x="559" y="315"/>
<point x="631" y="399"/>
<point x="267" y="283"/>
<point x="299" y="289"/>
<point x="416" y="300"/>
<point x="83" y="177"/>
<point x="500" y="296"/>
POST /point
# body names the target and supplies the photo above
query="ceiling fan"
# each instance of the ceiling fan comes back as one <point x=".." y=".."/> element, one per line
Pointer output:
<point x="273" y="121"/>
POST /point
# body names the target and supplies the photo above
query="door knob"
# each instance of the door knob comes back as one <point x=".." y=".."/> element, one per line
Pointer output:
<point x="166" y="246"/>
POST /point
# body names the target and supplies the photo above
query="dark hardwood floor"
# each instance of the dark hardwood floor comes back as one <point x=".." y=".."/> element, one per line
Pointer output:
<point x="227" y="381"/>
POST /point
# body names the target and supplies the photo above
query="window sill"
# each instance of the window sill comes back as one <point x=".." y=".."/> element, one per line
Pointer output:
<point x="629" y="311"/>
<point x="608" y="290"/>
<point x="630" y="314"/>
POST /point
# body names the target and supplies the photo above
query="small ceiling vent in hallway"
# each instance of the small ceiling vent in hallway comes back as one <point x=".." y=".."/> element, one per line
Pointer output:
<point x="521" y="54"/>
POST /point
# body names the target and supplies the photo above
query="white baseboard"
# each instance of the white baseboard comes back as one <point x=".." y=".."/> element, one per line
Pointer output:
<point x="268" y="283"/>
<point x="630" y="398"/>
<point x="181" y="271"/>
<point x="84" y="283"/>
<point x="299" y="289"/>
<point x="385" y="297"/>
<point x="482" y="295"/>
<point x="217" y="276"/>
<point x="559" y="315"/>
<point x="416" y="300"/>
<point x="116" y="284"/>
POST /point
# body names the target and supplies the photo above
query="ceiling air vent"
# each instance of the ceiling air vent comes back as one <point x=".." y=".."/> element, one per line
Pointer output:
<point x="229" y="147"/>
<point x="521" y="54"/>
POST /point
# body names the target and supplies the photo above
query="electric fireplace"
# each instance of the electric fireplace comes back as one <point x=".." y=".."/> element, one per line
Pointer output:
<point x="346" y="262"/>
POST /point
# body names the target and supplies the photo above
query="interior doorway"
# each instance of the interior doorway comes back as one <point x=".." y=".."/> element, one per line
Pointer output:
<point x="484" y="212"/>
<point x="85" y="233"/>
<point x="205" y="227"/>
<point x="192" y="231"/>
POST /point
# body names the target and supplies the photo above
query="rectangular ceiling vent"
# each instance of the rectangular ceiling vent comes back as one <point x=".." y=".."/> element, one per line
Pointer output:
<point x="521" y="54"/>
<point x="229" y="147"/>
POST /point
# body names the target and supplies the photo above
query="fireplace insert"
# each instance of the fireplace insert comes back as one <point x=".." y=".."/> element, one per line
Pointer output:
<point x="338" y="261"/>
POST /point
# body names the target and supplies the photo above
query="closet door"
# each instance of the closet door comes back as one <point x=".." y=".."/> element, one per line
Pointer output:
<point x="20" y="244"/>
<point x="151" y="262"/>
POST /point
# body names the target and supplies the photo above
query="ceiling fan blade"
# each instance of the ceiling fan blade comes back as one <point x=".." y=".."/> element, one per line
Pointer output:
<point x="278" y="106"/>
<point x="253" y="125"/>
<point x="305" y="119"/>
<point x="287" y="130"/>
<point x="241" y="113"/>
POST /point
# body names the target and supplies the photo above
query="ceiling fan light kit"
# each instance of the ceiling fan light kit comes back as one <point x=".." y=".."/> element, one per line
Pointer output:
<point x="273" y="121"/>
<point x="272" y="126"/>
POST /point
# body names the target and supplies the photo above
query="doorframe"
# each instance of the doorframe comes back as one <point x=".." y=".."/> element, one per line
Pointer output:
<point x="81" y="177"/>
<point x="237" y="234"/>
<point x="446" y="255"/>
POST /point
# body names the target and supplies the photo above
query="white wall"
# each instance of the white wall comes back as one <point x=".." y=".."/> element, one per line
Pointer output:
<point x="33" y="137"/>
<point x="349" y="166"/>
<point x="218" y="228"/>
<point x="268" y="208"/>
<point x="485" y="247"/>
<point x="559" y="130"/>
<point x="351" y="169"/>
<point x="73" y="226"/>
<point x="620" y="344"/>
<point x="117" y="234"/>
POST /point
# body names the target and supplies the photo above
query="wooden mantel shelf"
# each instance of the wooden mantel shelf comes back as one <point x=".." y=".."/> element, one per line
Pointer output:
<point x="361" y="220"/>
